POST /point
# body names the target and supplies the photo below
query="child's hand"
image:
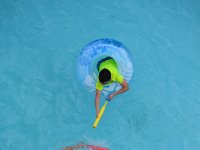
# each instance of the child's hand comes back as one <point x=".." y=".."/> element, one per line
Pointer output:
<point x="110" y="97"/>
<point x="97" y="114"/>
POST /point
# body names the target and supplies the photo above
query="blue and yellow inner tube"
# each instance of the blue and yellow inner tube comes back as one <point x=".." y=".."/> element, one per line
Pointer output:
<point x="97" y="50"/>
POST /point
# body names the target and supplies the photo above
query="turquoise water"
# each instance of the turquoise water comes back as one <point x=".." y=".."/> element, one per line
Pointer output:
<point x="43" y="106"/>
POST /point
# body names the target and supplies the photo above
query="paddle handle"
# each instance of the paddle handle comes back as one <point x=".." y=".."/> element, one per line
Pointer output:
<point x="100" y="115"/>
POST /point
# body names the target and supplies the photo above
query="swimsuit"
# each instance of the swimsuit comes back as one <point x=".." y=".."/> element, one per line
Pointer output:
<point x="110" y="64"/>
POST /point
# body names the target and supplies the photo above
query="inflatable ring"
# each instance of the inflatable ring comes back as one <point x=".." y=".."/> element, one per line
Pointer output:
<point x="94" y="52"/>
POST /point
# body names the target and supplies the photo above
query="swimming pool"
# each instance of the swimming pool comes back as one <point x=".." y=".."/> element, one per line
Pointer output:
<point x="43" y="106"/>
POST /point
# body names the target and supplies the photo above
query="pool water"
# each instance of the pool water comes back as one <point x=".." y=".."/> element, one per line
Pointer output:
<point x="42" y="103"/>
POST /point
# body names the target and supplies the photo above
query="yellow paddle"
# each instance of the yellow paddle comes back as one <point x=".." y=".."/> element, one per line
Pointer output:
<point x="100" y="114"/>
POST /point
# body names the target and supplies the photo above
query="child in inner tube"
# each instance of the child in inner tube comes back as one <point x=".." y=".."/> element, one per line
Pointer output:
<point x="108" y="73"/>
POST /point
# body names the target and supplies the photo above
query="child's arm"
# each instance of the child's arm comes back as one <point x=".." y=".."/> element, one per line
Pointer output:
<point x="97" y="99"/>
<point x="124" y="88"/>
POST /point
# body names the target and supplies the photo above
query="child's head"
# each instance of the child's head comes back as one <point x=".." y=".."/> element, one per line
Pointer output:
<point x="104" y="76"/>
